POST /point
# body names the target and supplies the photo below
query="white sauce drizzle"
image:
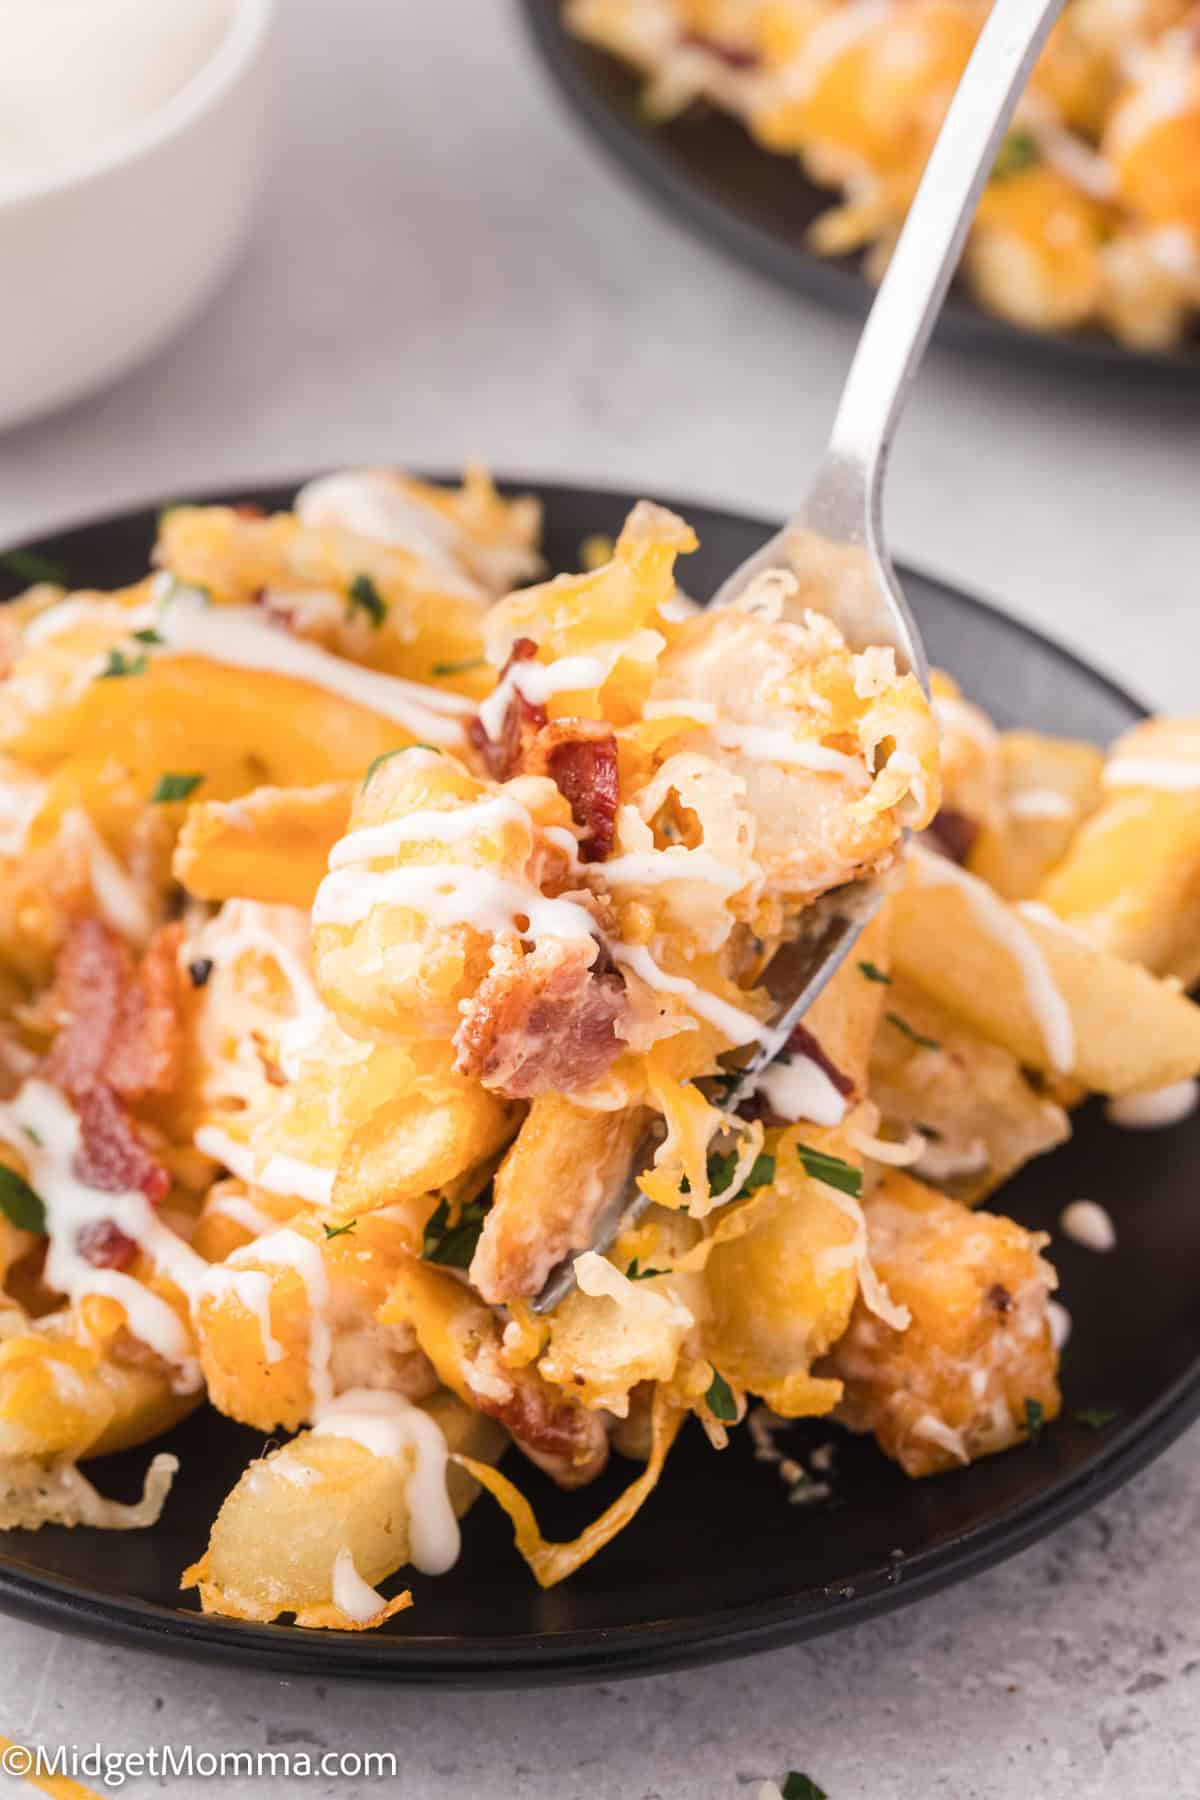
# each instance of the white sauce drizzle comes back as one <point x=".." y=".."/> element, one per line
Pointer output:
<point x="738" y="1026"/>
<point x="439" y="826"/>
<point x="800" y="1089"/>
<point x="650" y="868"/>
<point x="1059" y="1321"/>
<point x="393" y="1429"/>
<point x="1041" y="803"/>
<point x="252" y="1289"/>
<point x="1087" y="1223"/>
<point x="1152" y="772"/>
<point x="776" y="744"/>
<point x="243" y="1212"/>
<point x="1151" y="1112"/>
<point x="286" y="1249"/>
<point x="241" y="637"/>
<point x="121" y="902"/>
<point x="450" y="894"/>
<point x="72" y="1207"/>
<point x="373" y="504"/>
<point x="280" y="1174"/>
<point x="539" y="682"/>
<point x="1050" y="1010"/>
<point x="351" y="1594"/>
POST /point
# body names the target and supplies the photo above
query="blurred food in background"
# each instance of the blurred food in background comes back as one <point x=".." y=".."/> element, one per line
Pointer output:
<point x="1092" y="215"/>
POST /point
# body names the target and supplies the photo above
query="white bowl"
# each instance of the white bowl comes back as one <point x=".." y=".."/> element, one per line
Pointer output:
<point x="101" y="262"/>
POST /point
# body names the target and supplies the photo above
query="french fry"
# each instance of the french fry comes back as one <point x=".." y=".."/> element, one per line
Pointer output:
<point x="63" y="1397"/>
<point x="277" y="1539"/>
<point x="1049" y="787"/>
<point x="1030" y="984"/>
<point x="272" y="845"/>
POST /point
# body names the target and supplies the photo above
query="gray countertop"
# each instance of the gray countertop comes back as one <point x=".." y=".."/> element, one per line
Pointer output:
<point x="444" y="268"/>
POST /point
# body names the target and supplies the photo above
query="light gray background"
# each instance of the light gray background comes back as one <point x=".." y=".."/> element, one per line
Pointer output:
<point x="443" y="267"/>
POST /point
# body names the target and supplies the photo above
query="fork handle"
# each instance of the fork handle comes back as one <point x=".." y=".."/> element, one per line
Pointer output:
<point x="923" y="262"/>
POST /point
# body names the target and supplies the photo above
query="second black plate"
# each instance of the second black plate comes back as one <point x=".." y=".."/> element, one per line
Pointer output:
<point x="706" y="170"/>
<point x="717" y="1562"/>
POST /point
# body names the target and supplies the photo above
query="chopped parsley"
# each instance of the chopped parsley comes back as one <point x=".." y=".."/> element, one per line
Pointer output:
<point x="720" y="1401"/>
<point x="119" y="664"/>
<point x="459" y="668"/>
<point x="1019" y="151"/>
<point x="148" y="635"/>
<point x="200" y="970"/>
<point x="387" y="755"/>
<point x="873" y="973"/>
<point x="1097" y="1417"/>
<point x="454" y="1245"/>
<point x="1035" y="1419"/>
<point x="169" y="788"/>
<point x="31" y="565"/>
<point x="18" y="1202"/>
<point x="363" y="596"/>
<point x="636" y="1273"/>
<point x="801" y="1787"/>
<point x="832" y="1171"/>
<point x="35" y="1137"/>
<point x="911" y="1032"/>
<point x="721" y="1165"/>
<point x="332" y="1231"/>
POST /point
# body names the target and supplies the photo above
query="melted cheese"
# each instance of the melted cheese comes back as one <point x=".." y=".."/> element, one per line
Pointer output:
<point x="597" y="1277"/>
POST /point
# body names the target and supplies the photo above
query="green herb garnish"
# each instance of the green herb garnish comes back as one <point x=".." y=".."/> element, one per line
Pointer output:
<point x="169" y="788"/>
<point x="454" y="1245"/>
<point x="332" y="1231"/>
<point x="363" y="596"/>
<point x="873" y="973"/>
<point x="31" y="565"/>
<point x="1035" y="1419"/>
<point x="801" y="1787"/>
<point x="720" y="1401"/>
<point x="722" y="1164"/>
<point x="1097" y="1417"/>
<point x="911" y="1032"/>
<point x="119" y="664"/>
<point x="148" y="635"/>
<point x="19" y="1204"/>
<point x="635" y="1273"/>
<point x="832" y="1171"/>
<point x="1018" y="151"/>
<point x="459" y="668"/>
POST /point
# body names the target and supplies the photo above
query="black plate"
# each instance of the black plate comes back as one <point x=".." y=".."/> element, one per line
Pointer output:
<point x="706" y="170"/>
<point x="717" y="1562"/>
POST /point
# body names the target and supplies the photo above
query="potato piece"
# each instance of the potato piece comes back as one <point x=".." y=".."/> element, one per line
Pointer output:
<point x="561" y="1173"/>
<point x="278" y="1537"/>
<point x="981" y="1114"/>
<point x="844" y="1017"/>
<point x="63" y="1398"/>
<point x="780" y="1294"/>
<point x="1131" y="879"/>
<point x="1029" y="983"/>
<point x="1049" y="786"/>
<point x="272" y="846"/>
<point x="420" y="1141"/>
<point x="462" y="1339"/>
<point x="978" y="1352"/>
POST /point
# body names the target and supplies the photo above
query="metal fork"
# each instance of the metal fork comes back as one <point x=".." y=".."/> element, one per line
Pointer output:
<point x="840" y="522"/>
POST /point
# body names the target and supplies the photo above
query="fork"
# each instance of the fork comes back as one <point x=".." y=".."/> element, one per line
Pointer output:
<point x="840" y="522"/>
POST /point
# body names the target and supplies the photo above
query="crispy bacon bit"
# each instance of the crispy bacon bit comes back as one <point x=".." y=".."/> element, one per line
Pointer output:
<point x="803" y="1043"/>
<point x="111" y="1155"/>
<point x="105" y="1245"/>
<point x="999" y="1297"/>
<point x="569" y="1443"/>
<point x="953" y="833"/>
<point x="120" y="1024"/>
<point x="734" y="56"/>
<point x="580" y="757"/>
<point x="541" y="1022"/>
<point x="505" y="755"/>
<point x="249" y="509"/>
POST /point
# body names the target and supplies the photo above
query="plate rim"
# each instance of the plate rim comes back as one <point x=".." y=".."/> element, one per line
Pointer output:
<point x="650" y="1647"/>
<point x="961" y="326"/>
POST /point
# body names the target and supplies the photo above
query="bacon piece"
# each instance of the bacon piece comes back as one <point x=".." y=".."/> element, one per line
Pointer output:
<point x="541" y="1022"/>
<point x="953" y="833"/>
<point x="732" y="55"/>
<point x="565" y="1440"/>
<point x="105" y="1245"/>
<point x="580" y="757"/>
<point x="111" y="1155"/>
<point x="505" y="755"/>
<point x="120" y="1024"/>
